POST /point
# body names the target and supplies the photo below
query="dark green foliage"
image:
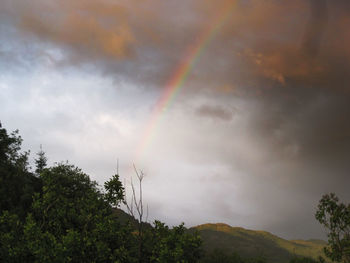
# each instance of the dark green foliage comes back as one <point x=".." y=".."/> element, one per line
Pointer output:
<point x="164" y="244"/>
<point x="12" y="248"/>
<point x="17" y="184"/>
<point x="114" y="191"/>
<point x="161" y="242"/>
<point x="335" y="216"/>
<point x="222" y="256"/>
<point x="40" y="162"/>
<point x="70" y="221"/>
<point x="303" y="260"/>
<point x="73" y="210"/>
<point x="60" y="215"/>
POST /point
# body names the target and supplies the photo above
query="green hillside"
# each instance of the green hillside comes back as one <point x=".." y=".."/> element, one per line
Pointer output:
<point x="249" y="243"/>
<point x="124" y="217"/>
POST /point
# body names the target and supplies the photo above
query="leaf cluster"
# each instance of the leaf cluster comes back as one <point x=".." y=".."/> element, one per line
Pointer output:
<point x="335" y="217"/>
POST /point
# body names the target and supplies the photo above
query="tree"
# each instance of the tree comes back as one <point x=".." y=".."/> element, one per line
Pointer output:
<point x="69" y="221"/>
<point x="335" y="217"/>
<point x="60" y="215"/>
<point x="114" y="191"/>
<point x="41" y="161"/>
<point x="135" y="208"/>
<point x="159" y="243"/>
<point x="73" y="217"/>
<point x="173" y="245"/>
<point x="17" y="183"/>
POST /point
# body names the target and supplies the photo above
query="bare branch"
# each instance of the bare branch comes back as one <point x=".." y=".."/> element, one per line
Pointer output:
<point x="146" y="215"/>
<point x="135" y="207"/>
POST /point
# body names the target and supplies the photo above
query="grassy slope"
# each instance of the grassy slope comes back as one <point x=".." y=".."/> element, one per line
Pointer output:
<point x="249" y="243"/>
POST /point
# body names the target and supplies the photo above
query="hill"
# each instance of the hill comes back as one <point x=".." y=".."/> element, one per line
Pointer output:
<point x="250" y="243"/>
<point x="124" y="217"/>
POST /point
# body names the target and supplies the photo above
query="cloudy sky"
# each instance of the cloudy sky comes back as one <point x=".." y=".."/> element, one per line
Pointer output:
<point x="258" y="130"/>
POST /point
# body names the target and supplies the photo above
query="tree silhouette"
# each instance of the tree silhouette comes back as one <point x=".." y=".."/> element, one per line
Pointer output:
<point x="135" y="208"/>
<point x="335" y="216"/>
<point x="41" y="161"/>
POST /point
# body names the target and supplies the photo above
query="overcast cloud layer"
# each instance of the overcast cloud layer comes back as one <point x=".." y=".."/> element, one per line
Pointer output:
<point x="259" y="131"/>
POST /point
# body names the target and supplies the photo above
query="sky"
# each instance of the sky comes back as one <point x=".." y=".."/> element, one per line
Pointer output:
<point x="237" y="111"/>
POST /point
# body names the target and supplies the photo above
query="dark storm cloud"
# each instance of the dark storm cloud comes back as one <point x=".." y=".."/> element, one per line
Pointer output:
<point x="304" y="97"/>
<point x="144" y="41"/>
<point x="137" y="41"/>
<point x="315" y="27"/>
<point x="215" y="112"/>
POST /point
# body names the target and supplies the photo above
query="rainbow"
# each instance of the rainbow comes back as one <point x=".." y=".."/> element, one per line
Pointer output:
<point x="182" y="71"/>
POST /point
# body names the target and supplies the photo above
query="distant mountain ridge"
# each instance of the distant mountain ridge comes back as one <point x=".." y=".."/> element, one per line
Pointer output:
<point x="248" y="243"/>
<point x="253" y="243"/>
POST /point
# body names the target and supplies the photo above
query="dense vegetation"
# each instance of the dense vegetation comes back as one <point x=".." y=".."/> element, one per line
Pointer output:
<point x="58" y="214"/>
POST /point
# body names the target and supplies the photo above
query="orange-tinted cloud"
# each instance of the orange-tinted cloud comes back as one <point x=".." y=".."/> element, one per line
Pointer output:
<point x="91" y="28"/>
<point x="286" y="43"/>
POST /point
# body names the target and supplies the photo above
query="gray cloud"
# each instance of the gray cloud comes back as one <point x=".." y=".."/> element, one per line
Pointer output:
<point x="215" y="112"/>
<point x="316" y="27"/>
